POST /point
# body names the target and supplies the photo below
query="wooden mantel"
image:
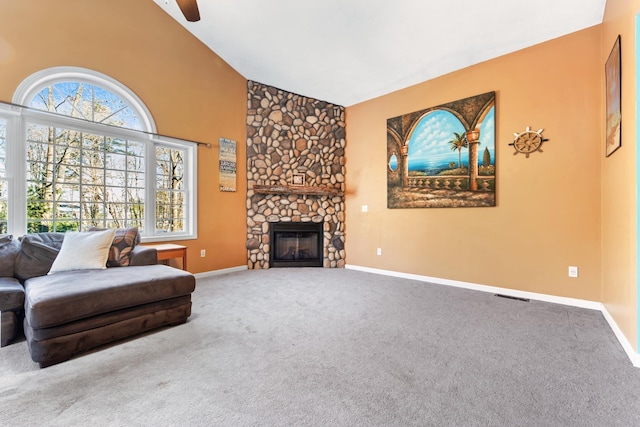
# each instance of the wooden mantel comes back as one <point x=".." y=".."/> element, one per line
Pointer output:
<point x="295" y="189"/>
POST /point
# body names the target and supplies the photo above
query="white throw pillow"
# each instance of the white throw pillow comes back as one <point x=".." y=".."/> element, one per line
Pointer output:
<point x="83" y="251"/>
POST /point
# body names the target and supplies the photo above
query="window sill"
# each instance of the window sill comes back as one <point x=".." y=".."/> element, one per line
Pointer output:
<point x="167" y="238"/>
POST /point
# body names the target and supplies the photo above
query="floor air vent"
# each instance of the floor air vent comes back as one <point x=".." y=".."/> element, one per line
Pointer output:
<point x="510" y="297"/>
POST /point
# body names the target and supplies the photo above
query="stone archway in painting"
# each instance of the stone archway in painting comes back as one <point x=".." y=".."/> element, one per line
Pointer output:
<point x="484" y="126"/>
<point x="447" y="123"/>
<point x="395" y="175"/>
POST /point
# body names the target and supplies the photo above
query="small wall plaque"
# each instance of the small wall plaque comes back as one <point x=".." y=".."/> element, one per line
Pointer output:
<point x="227" y="157"/>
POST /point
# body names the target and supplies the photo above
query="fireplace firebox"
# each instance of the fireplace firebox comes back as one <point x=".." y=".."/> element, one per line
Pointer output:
<point x="296" y="244"/>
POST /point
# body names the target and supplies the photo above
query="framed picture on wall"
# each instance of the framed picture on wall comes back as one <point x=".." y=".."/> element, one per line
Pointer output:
<point x="227" y="157"/>
<point x="443" y="156"/>
<point x="613" y="76"/>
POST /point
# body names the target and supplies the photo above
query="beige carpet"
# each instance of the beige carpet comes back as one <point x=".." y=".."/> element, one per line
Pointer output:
<point x="323" y="347"/>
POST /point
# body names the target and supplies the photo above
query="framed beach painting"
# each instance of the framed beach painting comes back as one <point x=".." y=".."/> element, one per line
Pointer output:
<point x="443" y="156"/>
<point x="613" y="76"/>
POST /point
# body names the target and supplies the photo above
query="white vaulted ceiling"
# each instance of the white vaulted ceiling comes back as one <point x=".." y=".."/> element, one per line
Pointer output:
<point x="349" y="51"/>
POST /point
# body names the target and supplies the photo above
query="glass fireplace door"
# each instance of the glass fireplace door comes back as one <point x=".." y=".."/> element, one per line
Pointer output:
<point x="296" y="245"/>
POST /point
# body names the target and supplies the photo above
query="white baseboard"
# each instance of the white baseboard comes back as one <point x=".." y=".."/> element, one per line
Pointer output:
<point x="219" y="272"/>
<point x="592" y="305"/>
<point x="624" y="342"/>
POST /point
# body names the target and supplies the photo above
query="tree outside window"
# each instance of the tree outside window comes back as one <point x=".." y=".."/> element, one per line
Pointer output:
<point x="87" y="162"/>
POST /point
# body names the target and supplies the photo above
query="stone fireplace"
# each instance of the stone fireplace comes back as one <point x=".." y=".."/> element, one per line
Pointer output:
<point x="295" y="171"/>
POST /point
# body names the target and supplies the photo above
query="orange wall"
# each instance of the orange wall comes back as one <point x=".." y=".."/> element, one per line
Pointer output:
<point x="619" y="212"/>
<point x="191" y="92"/>
<point x="548" y="205"/>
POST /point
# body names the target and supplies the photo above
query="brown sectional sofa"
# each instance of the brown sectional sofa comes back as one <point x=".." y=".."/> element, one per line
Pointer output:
<point x="70" y="312"/>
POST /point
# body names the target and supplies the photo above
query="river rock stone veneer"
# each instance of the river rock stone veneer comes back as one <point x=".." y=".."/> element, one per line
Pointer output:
<point x="290" y="134"/>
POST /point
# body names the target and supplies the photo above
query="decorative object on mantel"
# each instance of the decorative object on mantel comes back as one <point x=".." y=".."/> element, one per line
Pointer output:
<point x="297" y="179"/>
<point x="433" y="156"/>
<point x="297" y="189"/>
<point x="528" y="142"/>
<point x="227" y="165"/>
<point x="613" y="93"/>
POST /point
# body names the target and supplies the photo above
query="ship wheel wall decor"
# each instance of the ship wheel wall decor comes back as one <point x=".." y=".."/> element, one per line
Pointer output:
<point x="528" y="142"/>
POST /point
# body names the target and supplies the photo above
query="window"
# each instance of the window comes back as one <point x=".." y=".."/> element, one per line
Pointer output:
<point x="3" y="176"/>
<point x="95" y="162"/>
<point x="77" y="180"/>
<point x="170" y="194"/>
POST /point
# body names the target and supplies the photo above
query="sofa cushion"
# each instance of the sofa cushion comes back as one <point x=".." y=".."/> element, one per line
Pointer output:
<point x="123" y="243"/>
<point x="37" y="253"/>
<point x="9" y="249"/>
<point x="102" y="320"/>
<point x="11" y="294"/>
<point x="83" y="251"/>
<point x="59" y="348"/>
<point x="143" y="255"/>
<point x="56" y="299"/>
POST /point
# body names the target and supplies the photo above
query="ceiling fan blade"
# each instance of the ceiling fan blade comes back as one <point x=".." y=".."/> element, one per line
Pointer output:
<point x="189" y="9"/>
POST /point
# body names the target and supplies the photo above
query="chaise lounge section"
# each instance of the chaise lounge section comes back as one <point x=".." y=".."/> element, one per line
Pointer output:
<point x="72" y="311"/>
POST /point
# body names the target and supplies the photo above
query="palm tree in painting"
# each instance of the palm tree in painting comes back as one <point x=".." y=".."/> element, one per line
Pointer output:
<point x="458" y="142"/>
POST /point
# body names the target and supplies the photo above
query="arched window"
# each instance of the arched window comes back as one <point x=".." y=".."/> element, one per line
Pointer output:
<point x="89" y="157"/>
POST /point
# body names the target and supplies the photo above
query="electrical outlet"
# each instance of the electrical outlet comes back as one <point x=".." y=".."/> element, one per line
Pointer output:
<point x="573" y="271"/>
<point x="365" y="208"/>
<point x="379" y="251"/>
<point x="203" y="253"/>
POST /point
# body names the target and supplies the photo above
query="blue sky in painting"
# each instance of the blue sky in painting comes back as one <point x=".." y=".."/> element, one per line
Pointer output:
<point x="429" y="148"/>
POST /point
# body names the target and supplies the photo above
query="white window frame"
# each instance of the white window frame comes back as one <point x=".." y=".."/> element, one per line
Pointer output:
<point x="16" y="148"/>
